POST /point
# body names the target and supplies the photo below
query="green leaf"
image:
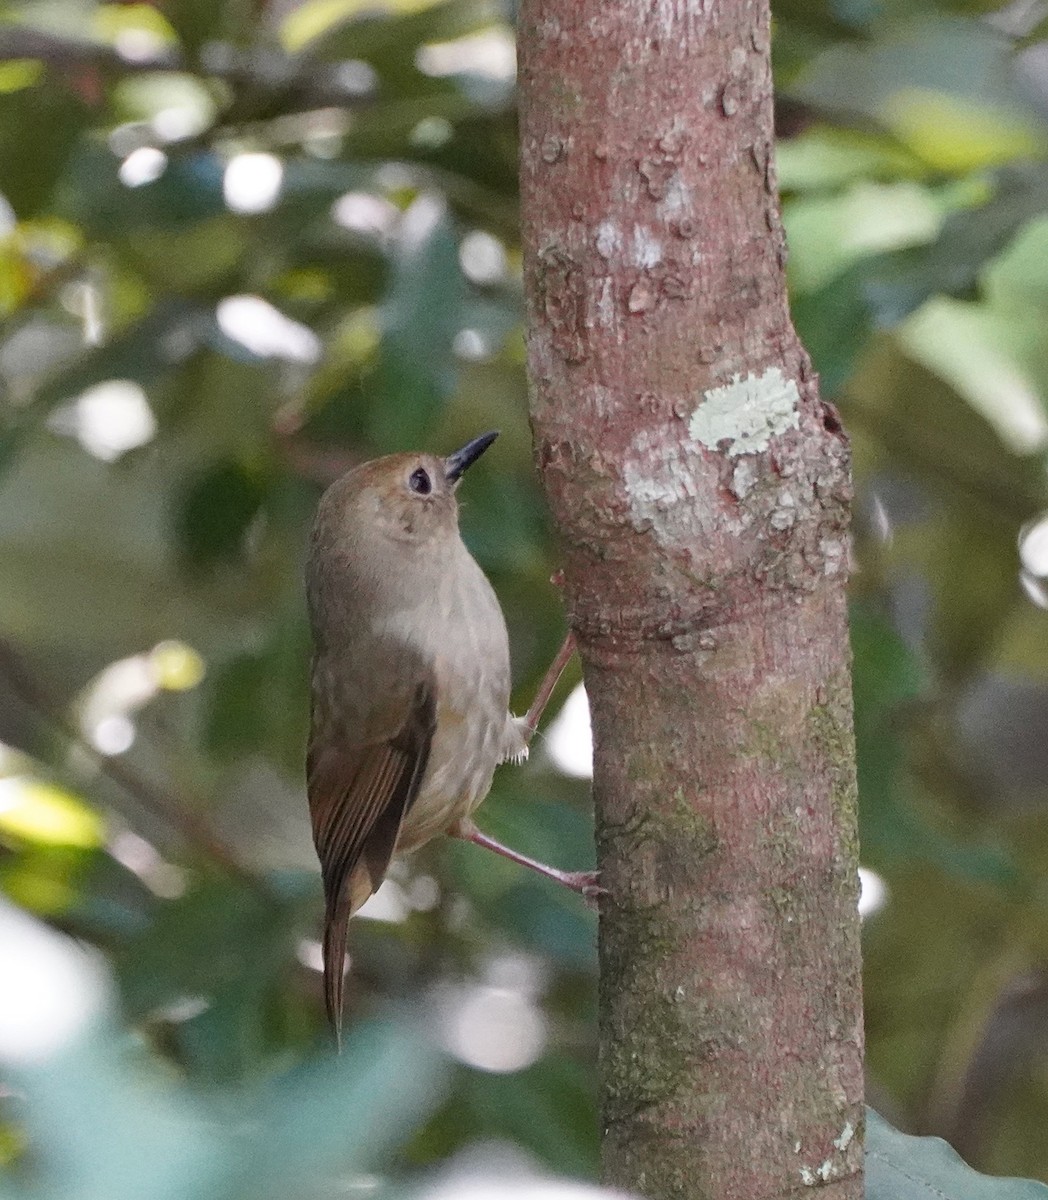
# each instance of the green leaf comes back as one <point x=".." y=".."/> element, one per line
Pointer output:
<point x="417" y="371"/>
<point x="188" y="192"/>
<point x="340" y="1114"/>
<point x="942" y="85"/>
<point x="830" y="233"/>
<point x="834" y="324"/>
<point x="142" y="352"/>
<point x="39" y="131"/>
<point x="215" y="513"/>
<point x="383" y="38"/>
<point x="824" y="157"/>
<point x="226" y="945"/>
<point x="901" y="1167"/>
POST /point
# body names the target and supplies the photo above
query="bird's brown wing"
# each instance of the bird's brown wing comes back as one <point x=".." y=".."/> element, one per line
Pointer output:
<point x="358" y="796"/>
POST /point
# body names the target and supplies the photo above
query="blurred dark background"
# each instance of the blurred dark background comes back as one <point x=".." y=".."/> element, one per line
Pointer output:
<point x="245" y="245"/>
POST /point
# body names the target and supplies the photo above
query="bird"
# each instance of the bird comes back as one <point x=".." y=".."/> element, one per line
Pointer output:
<point x="410" y="684"/>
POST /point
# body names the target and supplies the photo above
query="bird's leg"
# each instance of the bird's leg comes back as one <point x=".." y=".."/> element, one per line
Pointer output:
<point x="583" y="882"/>
<point x="532" y="717"/>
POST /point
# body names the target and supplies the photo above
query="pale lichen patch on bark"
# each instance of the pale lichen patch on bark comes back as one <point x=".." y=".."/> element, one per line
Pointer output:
<point x="743" y="479"/>
<point x="671" y="14"/>
<point x="647" y="250"/>
<point x="608" y="239"/>
<point x="662" y="490"/>
<point x="843" y="1141"/>
<point x="747" y="413"/>
<point x="677" y="199"/>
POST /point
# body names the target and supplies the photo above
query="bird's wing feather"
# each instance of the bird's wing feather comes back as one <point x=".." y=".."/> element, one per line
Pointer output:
<point x="358" y="796"/>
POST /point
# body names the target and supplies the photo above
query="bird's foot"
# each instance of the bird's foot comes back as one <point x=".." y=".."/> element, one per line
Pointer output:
<point x="586" y="883"/>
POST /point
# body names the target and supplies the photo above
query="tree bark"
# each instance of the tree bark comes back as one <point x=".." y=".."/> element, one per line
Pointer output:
<point x="702" y="492"/>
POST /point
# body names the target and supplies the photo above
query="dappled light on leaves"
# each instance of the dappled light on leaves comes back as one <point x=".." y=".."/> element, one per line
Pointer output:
<point x="163" y="878"/>
<point x="494" y="1024"/>
<point x="109" y="703"/>
<point x="569" y="739"/>
<point x="491" y="53"/>
<point x="483" y="257"/>
<point x="493" y="1029"/>
<point x="364" y="212"/>
<point x="469" y="345"/>
<point x="494" y="1171"/>
<point x="34" y="811"/>
<point x="252" y="182"/>
<point x="54" y="990"/>
<point x="108" y="419"/>
<point x="388" y="903"/>
<point x="265" y="331"/>
<point x="142" y="166"/>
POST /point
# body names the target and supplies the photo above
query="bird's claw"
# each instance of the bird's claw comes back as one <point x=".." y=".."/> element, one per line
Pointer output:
<point x="587" y="884"/>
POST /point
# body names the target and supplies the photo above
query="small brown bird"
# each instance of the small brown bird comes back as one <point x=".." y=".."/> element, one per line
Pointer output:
<point x="410" y="683"/>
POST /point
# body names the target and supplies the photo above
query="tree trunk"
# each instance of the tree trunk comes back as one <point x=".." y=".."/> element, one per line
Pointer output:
<point x="702" y="493"/>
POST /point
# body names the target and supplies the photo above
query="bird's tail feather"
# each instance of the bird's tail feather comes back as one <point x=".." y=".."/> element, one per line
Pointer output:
<point x="336" y="929"/>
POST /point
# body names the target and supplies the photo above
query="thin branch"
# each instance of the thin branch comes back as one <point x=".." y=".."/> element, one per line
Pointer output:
<point x="1006" y="501"/>
<point x="298" y="81"/>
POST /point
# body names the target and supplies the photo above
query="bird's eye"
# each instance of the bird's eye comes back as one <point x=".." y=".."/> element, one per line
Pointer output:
<point x="420" y="483"/>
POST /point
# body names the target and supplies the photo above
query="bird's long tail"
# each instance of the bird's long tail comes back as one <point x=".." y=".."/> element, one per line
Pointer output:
<point x="336" y="929"/>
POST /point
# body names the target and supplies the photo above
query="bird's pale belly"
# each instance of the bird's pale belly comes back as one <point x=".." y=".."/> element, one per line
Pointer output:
<point x="462" y="761"/>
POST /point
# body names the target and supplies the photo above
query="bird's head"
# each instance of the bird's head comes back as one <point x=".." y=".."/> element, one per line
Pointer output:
<point x="405" y="497"/>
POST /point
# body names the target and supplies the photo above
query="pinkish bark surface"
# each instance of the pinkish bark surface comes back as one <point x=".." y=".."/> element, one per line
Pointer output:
<point x="702" y="493"/>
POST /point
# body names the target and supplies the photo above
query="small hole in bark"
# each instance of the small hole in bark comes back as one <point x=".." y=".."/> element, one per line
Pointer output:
<point x="831" y="418"/>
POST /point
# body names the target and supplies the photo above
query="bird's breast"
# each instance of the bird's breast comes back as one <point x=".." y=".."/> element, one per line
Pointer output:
<point x="470" y="657"/>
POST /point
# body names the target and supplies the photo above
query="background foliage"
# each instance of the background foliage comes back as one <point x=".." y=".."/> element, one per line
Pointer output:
<point x="244" y="245"/>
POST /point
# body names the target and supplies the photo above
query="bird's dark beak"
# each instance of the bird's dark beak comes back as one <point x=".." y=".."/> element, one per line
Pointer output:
<point x="455" y="464"/>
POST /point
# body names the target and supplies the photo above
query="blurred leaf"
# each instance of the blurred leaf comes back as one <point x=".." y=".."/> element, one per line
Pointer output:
<point x="199" y="21"/>
<point x="823" y="157"/>
<point x="829" y="234"/>
<point x="186" y="193"/>
<point x="834" y="323"/>
<point x="141" y="352"/>
<point x="900" y="1167"/>
<point x="112" y="20"/>
<point x="34" y="811"/>
<point x="952" y="133"/>
<point x="379" y="38"/>
<point x="261" y="699"/>
<point x="345" y="1113"/>
<point x="900" y="283"/>
<point x="547" y="1108"/>
<point x="416" y="369"/>
<point x="942" y="86"/>
<point x="47" y="883"/>
<point x="981" y="355"/>
<point x="39" y="131"/>
<point x="87" y="1094"/>
<point x="886" y="679"/>
<point x="216" y="512"/>
<point x="224" y="945"/>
